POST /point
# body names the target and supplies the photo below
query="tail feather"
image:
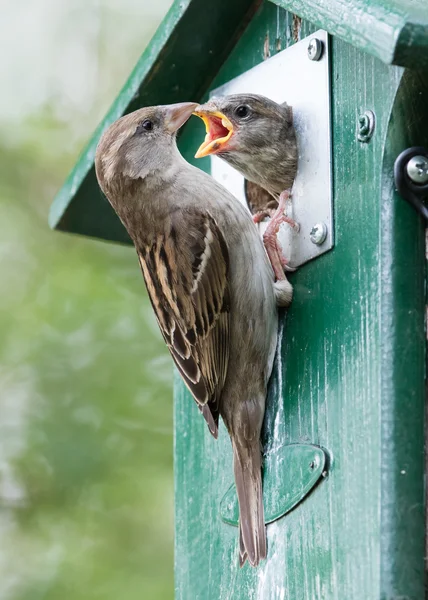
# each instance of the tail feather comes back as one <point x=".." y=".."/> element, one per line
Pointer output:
<point x="248" y="478"/>
<point x="242" y="552"/>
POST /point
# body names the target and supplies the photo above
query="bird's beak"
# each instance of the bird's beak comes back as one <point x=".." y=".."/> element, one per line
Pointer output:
<point x="177" y="115"/>
<point x="219" y="130"/>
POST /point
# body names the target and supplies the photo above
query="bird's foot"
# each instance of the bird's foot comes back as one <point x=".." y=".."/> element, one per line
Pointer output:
<point x="294" y="224"/>
<point x="273" y="247"/>
<point x="280" y="215"/>
<point x="261" y="215"/>
<point x="285" y="261"/>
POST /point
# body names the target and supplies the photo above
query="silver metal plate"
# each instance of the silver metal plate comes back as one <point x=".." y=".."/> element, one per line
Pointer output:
<point x="290" y="76"/>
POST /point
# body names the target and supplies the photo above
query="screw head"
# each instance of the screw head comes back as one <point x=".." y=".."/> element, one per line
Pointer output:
<point x="366" y="125"/>
<point x="315" y="49"/>
<point x="417" y="169"/>
<point x="318" y="233"/>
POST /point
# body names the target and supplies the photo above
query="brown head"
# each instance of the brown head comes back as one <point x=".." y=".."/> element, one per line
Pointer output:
<point x="139" y="146"/>
<point x="255" y="135"/>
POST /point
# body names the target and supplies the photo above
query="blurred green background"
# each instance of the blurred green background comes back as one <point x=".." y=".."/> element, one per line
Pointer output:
<point x="86" y="488"/>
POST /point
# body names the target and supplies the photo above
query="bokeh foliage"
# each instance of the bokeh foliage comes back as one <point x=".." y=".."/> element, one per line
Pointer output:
<point x="86" y="498"/>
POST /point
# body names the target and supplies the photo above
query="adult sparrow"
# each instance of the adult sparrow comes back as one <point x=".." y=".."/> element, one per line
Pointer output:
<point x="210" y="283"/>
<point x="256" y="136"/>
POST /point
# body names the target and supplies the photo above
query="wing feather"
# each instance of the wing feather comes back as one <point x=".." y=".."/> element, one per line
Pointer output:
<point x="186" y="273"/>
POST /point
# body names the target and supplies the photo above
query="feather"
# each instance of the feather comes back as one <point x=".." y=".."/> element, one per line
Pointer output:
<point x="248" y="479"/>
<point x="192" y="303"/>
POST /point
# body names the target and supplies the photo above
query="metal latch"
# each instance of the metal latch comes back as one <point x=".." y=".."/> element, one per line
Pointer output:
<point x="411" y="177"/>
<point x="299" y="76"/>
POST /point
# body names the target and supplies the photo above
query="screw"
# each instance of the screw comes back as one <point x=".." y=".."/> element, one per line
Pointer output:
<point x="417" y="169"/>
<point x="315" y="49"/>
<point x="366" y="125"/>
<point x="318" y="233"/>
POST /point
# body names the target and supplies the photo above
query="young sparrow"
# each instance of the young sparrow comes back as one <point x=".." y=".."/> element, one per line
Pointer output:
<point x="210" y="284"/>
<point x="256" y="136"/>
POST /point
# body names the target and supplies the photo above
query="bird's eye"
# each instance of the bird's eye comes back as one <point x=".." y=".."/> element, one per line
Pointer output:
<point x="145" y="125"/>
<point x="242" y="111"/>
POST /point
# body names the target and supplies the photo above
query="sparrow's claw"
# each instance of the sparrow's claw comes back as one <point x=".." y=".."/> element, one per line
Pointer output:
<point x="261" y="215"/>
<point x="294" y="224"/>
<point x="278" y="215"/>
<point x="289" y="269"/>
<point x="284" y="261"/>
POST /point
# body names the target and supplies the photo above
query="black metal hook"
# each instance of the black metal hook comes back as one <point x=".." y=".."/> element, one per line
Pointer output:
<point x="408" y="189"/>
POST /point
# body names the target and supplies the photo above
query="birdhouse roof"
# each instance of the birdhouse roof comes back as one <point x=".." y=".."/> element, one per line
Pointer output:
<point x="188" y="49"/>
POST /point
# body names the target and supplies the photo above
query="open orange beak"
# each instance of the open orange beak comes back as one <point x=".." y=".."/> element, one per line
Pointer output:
<point x="219" y="130"/>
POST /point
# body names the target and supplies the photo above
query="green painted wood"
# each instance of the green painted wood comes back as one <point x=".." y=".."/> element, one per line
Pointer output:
<point x="183" y="56"/>
<point x="395" y="31"/>
<point x="402" y="353"/>
<point x="349" y="376"/>
<point x="289" y="475"/>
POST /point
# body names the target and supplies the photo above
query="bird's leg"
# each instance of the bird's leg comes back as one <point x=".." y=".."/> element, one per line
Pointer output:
<point x="274" y="253"/>
<point x="272" y="245"/>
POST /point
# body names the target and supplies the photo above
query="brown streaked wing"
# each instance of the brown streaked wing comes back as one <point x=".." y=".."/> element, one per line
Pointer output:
<point x="186" y="274"/>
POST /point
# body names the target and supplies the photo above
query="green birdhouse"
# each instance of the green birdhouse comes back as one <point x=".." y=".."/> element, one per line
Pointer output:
<point x="343" y="438"/>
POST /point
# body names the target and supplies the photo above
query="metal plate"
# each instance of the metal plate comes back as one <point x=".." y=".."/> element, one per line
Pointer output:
<point x="290" y="76"/>
<point x="289" y="474"/>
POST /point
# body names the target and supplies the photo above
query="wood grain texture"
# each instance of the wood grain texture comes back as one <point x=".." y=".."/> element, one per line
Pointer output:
<point x="403" y="344"/>
<point x="349" y="375"/>
<point x="395" y="31"/>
